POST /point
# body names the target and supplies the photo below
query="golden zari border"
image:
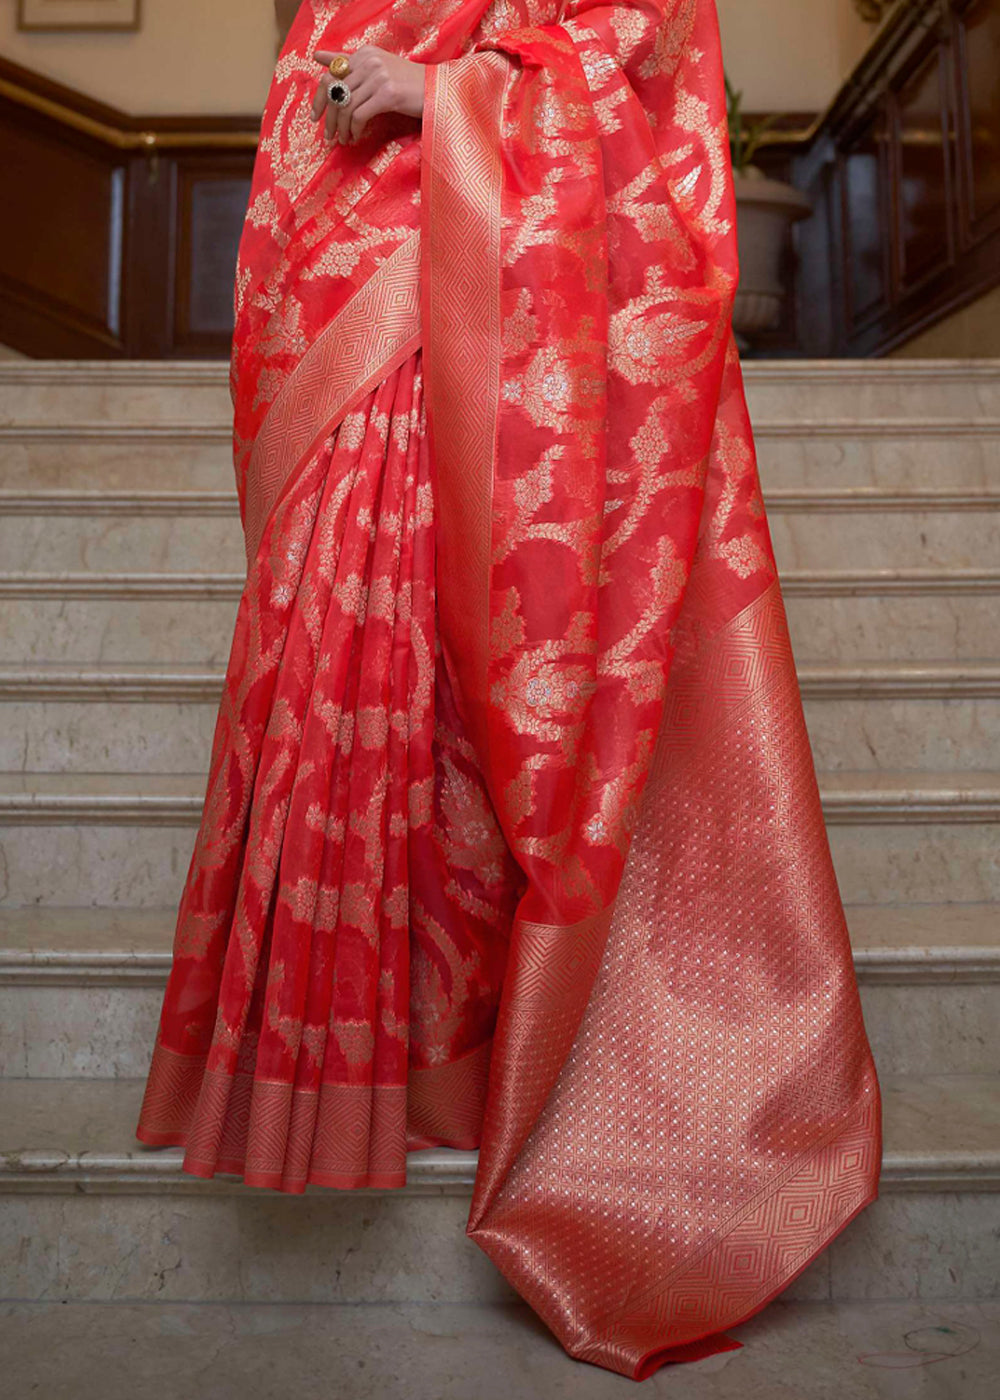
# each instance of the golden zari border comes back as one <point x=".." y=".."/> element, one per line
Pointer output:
<point x="551" y="971"/>
<point x="462" y="175"/>
<point x="709" y="955"/>
<point x="376" y="331"/>
<point x="445" y="1103"/>
<point x="284" y="1137"/>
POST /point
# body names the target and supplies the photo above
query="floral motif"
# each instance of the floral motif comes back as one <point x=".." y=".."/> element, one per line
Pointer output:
<point x="463" y="874"/>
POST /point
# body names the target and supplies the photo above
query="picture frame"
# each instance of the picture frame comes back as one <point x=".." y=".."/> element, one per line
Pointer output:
<point x="67" y="16"/>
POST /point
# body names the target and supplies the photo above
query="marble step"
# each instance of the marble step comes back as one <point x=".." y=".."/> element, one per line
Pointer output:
<point x="801" y="454"/>
<point x="172" y="799"/>
<point x="859" y="532"/>
<point x="882" y="455"/>
<point x="82" y="458"/>
<point x="124" y="839"/>
<point x="122" y="531"/>
<point x="193" y="628"/>
<point x="913" y="838"/>
<point x="40" y="393"/>
<point x="952" y="619"/>
<point x="88" y="1214"/>
<point x="162" y="534"/>
<point x="889" y="426"/>
<point x="95" y="736"/>
<point x="167" y="392"/>
<point x="160" y="719"/>
<point x="880" y="734"/>
<point x="80" y="989"/>
<point x="493" y="1351"/>
<point x="912" y="424"/>
<point x="914" y="615"/>
<point x="964" y="390"/>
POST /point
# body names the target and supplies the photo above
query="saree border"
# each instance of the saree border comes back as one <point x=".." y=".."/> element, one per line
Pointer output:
<point x="551" y="972"/>
<point x="791" y="1224"/>
<point x="446" y="1103"/>
<point x="462" y="183"/>
<point x="763" y="1243"/>
<point x="278" y="1135"/>
<point x="377" y="330"/>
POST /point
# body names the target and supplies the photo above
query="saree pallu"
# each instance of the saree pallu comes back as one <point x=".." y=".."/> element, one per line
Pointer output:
<point x="512" y="837"/>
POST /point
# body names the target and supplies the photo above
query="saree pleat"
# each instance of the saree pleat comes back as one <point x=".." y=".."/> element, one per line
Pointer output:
<point x="292" y="1061"/>
<point x="512" y="837"/>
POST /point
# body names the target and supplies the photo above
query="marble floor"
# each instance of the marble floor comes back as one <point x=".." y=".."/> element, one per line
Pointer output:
<point x="792" y="1351"/>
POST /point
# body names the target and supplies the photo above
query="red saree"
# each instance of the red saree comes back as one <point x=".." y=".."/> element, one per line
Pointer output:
<point x="512" y="836"/>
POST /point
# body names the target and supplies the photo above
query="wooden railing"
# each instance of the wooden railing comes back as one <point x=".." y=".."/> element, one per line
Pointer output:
<point x="121" y="233"/>
<point x="119" y="236"/>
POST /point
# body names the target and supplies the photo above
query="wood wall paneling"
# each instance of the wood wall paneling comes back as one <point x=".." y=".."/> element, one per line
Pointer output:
<point x="910" y="151"/>
<point x="61" y="243"/>
<point x="124" y="235"/>
<point x="117" y="250"/>
<point x="212" y="202"/>
<point x="865" y="210"/>
<point x="978" y="80"/>
<point x="921" y="178"/>
<point x="150" y="279"/>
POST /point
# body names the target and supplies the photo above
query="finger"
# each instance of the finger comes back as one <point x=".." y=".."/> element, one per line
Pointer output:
<point x="363" y="62"/>
<point x="362" y="92"/>
<point x="320" y="99"/>
<point x="363" y="113"/>
<point x="344" y="115"/>
<point x="326" y="57"/>
<point x="344" y="122"/>
<point x="331" y="122"/>
<point x="352" y="67"/>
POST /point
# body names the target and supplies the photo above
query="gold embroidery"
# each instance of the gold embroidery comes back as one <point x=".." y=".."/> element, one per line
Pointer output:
<point x="374" y="333"/>
<point x="462" y="220"/>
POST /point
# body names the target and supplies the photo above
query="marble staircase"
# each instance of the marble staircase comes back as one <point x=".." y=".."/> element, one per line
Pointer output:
<point x="120" y="555"/>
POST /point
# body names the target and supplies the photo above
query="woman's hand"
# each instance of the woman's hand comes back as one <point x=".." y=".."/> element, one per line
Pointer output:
<point x="379" y="82"/>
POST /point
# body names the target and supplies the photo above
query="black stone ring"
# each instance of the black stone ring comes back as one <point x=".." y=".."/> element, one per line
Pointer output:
<point x="339" y="94"/>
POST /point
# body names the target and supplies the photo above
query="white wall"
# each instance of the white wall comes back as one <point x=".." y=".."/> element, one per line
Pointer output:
<point x="790" y="55"/>
<point x="190" y="57"/>
<point x="970" y="334"/>
<point x="216" y="56"/>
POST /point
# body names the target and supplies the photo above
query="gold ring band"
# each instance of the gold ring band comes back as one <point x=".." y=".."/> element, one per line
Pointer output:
<point x="340" y="66"/>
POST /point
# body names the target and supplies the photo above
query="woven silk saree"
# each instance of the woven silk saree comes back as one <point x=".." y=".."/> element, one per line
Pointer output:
<point x="512" y="837"/>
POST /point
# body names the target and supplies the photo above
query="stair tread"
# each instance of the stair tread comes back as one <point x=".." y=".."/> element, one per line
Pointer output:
<point x="856" y="577"/>
<point x="101" y="787"/>
<point x="951" y="1122"/>
<point x="889" y="783"/>
<point x="85" y="933"/>
<point x="98" y="682"/>
<point x="862" y="669"/>
<point x="181" y="495"/>
<point x="493" y="1350"/>
<point x="145" y="373"/>
<point x="124" y="500"/>
<point x="839" y="784"/>
<point x="69" y="936"/>
<point x="924" y="928"/>
<point x="109" y="670"/>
